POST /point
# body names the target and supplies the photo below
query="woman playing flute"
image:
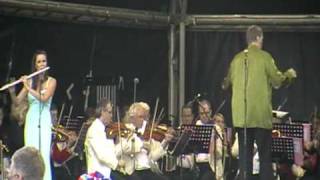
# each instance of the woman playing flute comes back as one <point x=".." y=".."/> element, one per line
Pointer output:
<point x="39" y="91"/>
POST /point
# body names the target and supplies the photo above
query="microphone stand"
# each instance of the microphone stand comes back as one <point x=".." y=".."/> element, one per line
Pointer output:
<point x="41" y="105"/>
<point x="245" y="113"/>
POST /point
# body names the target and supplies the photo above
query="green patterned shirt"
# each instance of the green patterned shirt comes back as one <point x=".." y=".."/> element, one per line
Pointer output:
<point x="263" y="74"/>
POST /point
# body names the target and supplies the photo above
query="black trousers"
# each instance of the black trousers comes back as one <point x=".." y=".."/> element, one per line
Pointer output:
<point x="263" y="139"/>
<point x="205" y="171"/>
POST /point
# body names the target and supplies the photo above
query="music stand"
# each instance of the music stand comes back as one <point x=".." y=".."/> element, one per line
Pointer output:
<point x="295" y="130"/>
<point x="182" y="142"/>
<point x="200" y="138"/>
<point x="282" y="149"/>
<point x="287" y="149"/>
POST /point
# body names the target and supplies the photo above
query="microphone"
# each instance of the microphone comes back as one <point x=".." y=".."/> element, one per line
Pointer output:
<point x="196" y="97"/>
<point x="136" y="80"/>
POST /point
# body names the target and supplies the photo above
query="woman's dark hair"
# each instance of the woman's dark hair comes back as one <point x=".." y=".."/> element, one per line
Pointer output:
<point x="35" y="79"/>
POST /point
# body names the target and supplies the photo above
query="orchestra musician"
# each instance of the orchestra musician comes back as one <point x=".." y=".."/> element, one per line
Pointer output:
<point x="4" y="138"/>
<point x="101" y="153"/>
<point x="210" y="165"/>
<point x="310" y="170"/>
<point x="18" y="109"/>
<point x="39" y="91"/>
<point x="186" y="168"/>
<point x="62" y="147"/>
<point x="139" y="151"/>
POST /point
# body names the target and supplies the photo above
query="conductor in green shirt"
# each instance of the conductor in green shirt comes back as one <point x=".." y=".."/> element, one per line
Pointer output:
<point x="252" y="75"/>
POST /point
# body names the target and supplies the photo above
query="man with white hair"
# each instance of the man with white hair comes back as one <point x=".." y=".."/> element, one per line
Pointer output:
<point x="139" y="153"/>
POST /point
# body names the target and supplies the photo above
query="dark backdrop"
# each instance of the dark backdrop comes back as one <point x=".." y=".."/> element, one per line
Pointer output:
<point x="144" y="54"/>
<point x="123" y="52"/>
<point x="210" y="53"/>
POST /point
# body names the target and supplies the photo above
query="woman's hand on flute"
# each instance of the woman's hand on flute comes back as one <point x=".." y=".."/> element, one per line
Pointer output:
<point x="24" y="79"/>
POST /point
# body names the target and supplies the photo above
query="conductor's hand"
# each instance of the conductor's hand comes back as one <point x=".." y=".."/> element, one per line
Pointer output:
<point x="291" y="74"/>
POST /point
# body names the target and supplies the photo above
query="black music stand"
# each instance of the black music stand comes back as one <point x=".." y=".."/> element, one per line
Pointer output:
<point x="282" y="149"/>
<point x="289" y="130"/>
<point x="200" y="138"/>
<point x="181" y="144"/>
<point x="296" y="130"/>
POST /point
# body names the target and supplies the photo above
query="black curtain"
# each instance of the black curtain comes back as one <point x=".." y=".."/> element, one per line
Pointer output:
<point x="131" y="53"/>
<point x="210" y="53"/>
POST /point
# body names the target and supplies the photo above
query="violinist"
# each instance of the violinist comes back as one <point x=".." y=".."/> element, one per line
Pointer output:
<point x="61" y="147"/>
<point x="140" y="153"/>
<point x="100" y="151"/>
<point x="66" y="138"/>
<point x="210" y="165"/>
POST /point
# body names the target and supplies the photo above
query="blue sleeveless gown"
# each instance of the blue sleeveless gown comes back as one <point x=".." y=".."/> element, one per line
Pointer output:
<point x="39" y="113"/>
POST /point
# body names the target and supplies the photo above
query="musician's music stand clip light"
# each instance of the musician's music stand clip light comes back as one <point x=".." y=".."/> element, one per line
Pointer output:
<point x="280" y="114"/>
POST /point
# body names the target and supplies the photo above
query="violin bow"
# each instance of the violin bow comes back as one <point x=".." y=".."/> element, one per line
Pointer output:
<point x="119" y="129"/>
<point x="154" y="118"/>
<point x="160" y="116"/>
<point x="69" y="116"/>
<point x="60" y="115"/>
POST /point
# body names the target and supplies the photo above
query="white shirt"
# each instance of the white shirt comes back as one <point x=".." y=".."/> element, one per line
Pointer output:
<point x="100" y="151"/>
<point x="186" y="161"/>
<point x="136" y="156"/>
<point x="216" y="156"/>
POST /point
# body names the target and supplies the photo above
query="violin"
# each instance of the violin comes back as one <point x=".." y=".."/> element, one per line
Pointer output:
<point x="158" y="133"/>
<point x="112" y="130"/>
<point x="61" y="133"/>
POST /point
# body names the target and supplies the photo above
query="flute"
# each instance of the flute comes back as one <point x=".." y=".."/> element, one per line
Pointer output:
<point x="20" y="80"/>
